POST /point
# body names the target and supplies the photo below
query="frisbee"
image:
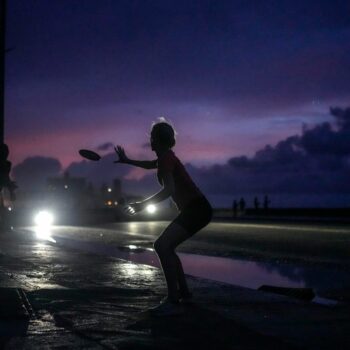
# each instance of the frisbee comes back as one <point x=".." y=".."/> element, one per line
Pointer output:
<point x="91" y="155"/>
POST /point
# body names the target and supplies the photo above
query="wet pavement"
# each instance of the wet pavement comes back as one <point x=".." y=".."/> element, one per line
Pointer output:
<point x="250" y="254"/>
<point x="73" y="298"/>
<point x="238" y="272"/>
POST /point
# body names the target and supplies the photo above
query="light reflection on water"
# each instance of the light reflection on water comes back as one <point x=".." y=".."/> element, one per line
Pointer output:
<point x="44" y="233"/>
<point x="239" y="272"/>
<point x="132" y="270"/>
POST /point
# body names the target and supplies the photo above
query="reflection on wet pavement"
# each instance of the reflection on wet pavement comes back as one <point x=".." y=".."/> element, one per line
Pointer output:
<point x="133" y="273"/>
<point x="245" y="273"/>
<point x="44" y="234"/>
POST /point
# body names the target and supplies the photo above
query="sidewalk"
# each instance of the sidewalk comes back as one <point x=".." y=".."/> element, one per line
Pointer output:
<point x="53" y="297"/>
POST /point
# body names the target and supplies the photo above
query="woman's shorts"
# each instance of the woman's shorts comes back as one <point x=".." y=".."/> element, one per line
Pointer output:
<point x="196" y="215"/>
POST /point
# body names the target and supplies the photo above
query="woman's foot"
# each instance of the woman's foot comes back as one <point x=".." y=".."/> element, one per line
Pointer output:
<point x="186" y="298"/>
<point x="167" y="308"/>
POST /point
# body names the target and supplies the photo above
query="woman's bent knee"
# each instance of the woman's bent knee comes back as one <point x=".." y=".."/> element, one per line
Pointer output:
<point x="159" y="246"/>
<point x="171" y="237"/>
<point x="162" y="246"/>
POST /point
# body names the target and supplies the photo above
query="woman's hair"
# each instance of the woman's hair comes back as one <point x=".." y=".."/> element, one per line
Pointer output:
<point x="163" y="132"/>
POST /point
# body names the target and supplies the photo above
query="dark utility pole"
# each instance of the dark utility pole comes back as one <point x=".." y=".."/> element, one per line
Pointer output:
<point x="2" y="66"/>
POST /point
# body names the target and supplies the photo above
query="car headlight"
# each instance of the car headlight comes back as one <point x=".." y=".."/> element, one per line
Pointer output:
<point x="43" y="219"/>
<point x="151" y="209"/>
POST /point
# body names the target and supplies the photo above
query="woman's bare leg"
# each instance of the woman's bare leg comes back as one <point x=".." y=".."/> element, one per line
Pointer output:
<point x="165" y="246"/>
<point x="181" y="279"/>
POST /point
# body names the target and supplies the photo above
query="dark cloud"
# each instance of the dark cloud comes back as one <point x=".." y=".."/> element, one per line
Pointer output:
<point x="103" y="171"/>
<point x="342" y="117"/>
<point x="315" y="162"/>
<point x="33" y="172"/>
<point x="105" y="146"/>
<point x="324" y="139"/>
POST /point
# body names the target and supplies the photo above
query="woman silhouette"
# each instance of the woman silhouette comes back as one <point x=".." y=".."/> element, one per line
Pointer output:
<point x="195" y="211"/>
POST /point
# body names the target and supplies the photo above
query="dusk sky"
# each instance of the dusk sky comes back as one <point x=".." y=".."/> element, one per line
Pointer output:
<point x="232" y="76"/>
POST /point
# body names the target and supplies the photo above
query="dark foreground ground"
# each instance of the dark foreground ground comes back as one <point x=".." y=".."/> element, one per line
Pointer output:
<point x="74" y="299"/>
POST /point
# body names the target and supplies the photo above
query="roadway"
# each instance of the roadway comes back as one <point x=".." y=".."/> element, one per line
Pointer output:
<point x="306" y="243"/>
<point x="306" y="254"/>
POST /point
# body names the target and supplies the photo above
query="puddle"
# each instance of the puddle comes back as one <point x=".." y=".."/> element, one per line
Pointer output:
<point x="245" y="273"/>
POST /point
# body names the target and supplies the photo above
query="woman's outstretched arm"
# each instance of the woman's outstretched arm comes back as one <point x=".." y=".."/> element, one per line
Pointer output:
<point x="164" y="193"/>
<point x="145" y="164"/>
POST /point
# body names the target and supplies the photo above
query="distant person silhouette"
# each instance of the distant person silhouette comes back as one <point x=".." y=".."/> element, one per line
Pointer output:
<point x="5" y="180"/>
<point x="195" y="211"/>
<point x="234" y="208"/>
<point x="242" y="205"/>
<point x="256" y="204"/>
<point x="5" y="169"/>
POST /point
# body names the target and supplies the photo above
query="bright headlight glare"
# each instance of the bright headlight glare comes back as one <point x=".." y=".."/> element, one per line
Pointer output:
<point x="43" y="219"/>
<point x="151" y="208"/>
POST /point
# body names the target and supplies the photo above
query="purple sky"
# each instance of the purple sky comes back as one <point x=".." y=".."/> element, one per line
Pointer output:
<point x="233" y="76"/>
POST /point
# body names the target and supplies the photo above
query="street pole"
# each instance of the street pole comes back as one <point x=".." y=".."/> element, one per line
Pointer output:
<point x="2" y="67"/>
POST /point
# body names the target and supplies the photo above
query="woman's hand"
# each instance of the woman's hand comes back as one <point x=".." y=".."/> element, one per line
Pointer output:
<point x="134" y="208"/>
<point x="121" y="155"/>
